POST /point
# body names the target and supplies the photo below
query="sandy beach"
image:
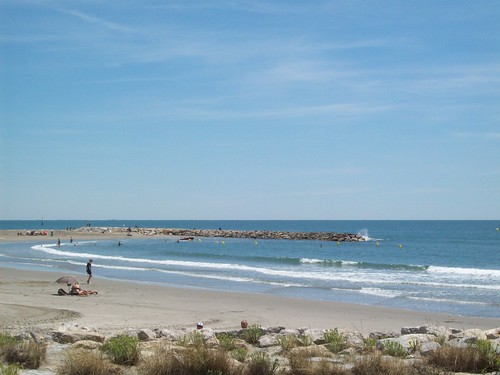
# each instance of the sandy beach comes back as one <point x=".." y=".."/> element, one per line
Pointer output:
<point x="29" y="298"/>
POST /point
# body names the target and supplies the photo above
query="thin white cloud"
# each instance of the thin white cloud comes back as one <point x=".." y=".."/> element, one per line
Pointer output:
<point x="483" y="135"/>
<point x="96" y="20"/>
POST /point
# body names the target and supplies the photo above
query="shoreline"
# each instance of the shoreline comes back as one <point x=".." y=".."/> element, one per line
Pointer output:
<point x="29" y="299"/>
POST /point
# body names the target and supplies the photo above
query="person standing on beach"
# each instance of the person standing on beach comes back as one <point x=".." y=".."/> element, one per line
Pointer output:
<point x="89" y="270"/>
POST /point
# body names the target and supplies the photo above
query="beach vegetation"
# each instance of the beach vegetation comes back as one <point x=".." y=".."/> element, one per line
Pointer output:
<point x="252" y="334"/>
<point x="189" y="361"/>
<point x="395" y="349"/>
<point x="335" y="340"/>
<point x="287" y="342"/>
<point x="122" y="350"/>
<point x="195" y="338"/>
<point x="369" y="344"/>
<point x="6" y="339"/>
<point x="25" y="354"/>
<point x="9" y="369"/>
<point x="240" y="354"/>
<point x="226" y="340"/>
<point x="378" y="365"/>
<point x="87" y="362"/>
<point x="301" y="364"/>
<point x="305" y="340"/>
<point x="259" y="363"/>
<point x="415" y="345"/>
<point x="475" y="358"/>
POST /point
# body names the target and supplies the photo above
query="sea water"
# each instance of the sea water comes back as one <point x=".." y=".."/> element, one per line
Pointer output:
<point x="438" y="266"/>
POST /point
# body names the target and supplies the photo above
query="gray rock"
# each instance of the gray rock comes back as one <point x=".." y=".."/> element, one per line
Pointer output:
<point x="429" y="347"/>
<point x="267" y="341"/>
<point x="317" y="335"/>
<point x="146" y="334"/>
<point x="74" y="336"/>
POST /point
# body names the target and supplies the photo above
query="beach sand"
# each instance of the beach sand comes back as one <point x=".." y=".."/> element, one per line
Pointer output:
<point x="29" y="298"/>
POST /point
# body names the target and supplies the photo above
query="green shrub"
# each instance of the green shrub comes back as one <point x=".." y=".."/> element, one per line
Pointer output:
<point x="86" y="362"/>
<point x="305" y="340"/>
<point x="488" y="355"/>
<point x="195" y="338"/>
<point x="122" y="350"/>
<point x="287" y="342"/>
<point x="252" y="334"/>
<point x="226" y="341"/>
<point x="376" y="365"/>
<point x="395" y="349"/>
<point x="9" y="369"/>
<point x="240" y="354"/>
<point x="260" y="364"/>
<point x="335" y="340"/>
<point x="300" y="364"/>
<point x="476" y="358"/>
<point x="369" y="344"/>
<point x="190" y="361"/>
<point x="6" y="339"/>
<point x="26" y="354"/>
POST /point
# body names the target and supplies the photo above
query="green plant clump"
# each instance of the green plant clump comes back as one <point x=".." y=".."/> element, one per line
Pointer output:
<point x="11" y="369"/>
<point x="26" y="354"/>
<point x="240" y="354"/>
<point x="252" y="334"/>
<point x="287" y="342"/>
<point x="122" y="350"/>
<point x="335" y="340"/>
<point x="226" y="341"/>
<point x="261" y="364"/>
<point x="395" y="349"/>
<point x="86" y="362"/>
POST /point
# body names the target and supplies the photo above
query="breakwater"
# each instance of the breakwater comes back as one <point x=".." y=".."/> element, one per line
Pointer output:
<point x="222" y="233"/>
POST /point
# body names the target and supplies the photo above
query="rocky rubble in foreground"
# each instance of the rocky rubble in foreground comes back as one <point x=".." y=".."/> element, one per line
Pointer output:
<point x="414" y="343"/>
<point x="225" y="233"/>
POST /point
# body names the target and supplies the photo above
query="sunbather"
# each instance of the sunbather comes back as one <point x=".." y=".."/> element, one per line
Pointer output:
<point x="77" y="291"/>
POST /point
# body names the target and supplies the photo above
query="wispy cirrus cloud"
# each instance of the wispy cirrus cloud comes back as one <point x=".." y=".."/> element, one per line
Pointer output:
<point x="483" y="135"/>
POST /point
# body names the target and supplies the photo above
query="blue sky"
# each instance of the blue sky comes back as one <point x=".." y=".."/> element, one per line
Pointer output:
<point x="249" y="109"/>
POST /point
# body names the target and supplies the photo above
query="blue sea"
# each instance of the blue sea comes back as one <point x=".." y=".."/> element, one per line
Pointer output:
<point x="438" y="266"/>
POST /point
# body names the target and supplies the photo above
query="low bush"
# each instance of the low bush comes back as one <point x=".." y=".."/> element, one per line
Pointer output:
<point x="26" y="354"/>
<point x="395" y="349"/>
<point x="335" y="340"/>
<point x="287" y="342"/>
<point x="305" y="340"/>
<point x="252" y="334"/>
<point x="122" y="350"/>
<point x="86" y="362"/>
<point x="471" y="359"/>
<point x="226" y="341"/>
<point x="190" y="361"/>
<point x="369" y="344"/>
<point x="302" y="365"/>
<point x="194" y="338"/>
<point x="259" y="363"/>
<point x="240" y="354"/>
<point x="9" y="369"/>
<point x="377" y="365"/>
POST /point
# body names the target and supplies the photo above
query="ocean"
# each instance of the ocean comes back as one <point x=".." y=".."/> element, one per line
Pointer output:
<point x="437" y="266"/>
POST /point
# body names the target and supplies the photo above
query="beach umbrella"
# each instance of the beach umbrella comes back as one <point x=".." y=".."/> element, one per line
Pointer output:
<point x="67" y="279"/>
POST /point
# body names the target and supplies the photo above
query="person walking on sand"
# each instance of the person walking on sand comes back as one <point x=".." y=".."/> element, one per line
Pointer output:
<point x="89" y="270"/>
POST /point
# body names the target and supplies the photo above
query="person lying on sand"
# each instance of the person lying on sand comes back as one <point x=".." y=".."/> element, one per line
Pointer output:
<point x="77" y="291"/>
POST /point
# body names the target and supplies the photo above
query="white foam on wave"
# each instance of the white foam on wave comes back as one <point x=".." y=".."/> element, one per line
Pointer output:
<point x="447" y="300"/>
<point x="325" y="275"/>
<point x="380" y="292"/>
<point x="472" y="272"/>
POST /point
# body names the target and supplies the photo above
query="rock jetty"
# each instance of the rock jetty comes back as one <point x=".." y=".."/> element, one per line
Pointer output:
<point x="225" y="233"/>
